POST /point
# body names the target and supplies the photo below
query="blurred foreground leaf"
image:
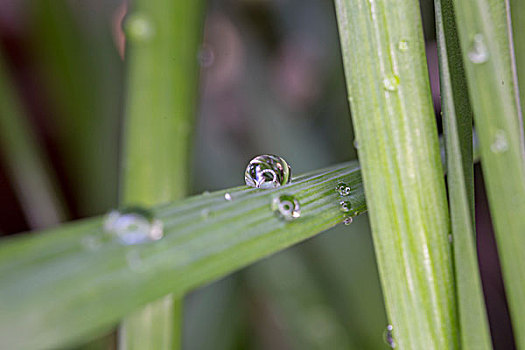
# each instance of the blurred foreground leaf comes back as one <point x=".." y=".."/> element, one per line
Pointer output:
<point x="64" y="285"/>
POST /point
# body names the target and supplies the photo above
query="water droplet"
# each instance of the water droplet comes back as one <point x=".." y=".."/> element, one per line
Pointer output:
<point x="450" y="238"/>
<point x="356" y="144"/>
<point x="499" y="145"/>
<point x="138" y="28"/>
<point x="346" y="206"/>
<point x="228" y="196"/>
<point x="267" y="171"/>
<point x="402" y="45"/>
<point x="391" y="83"/>
<point x="133" y="226"/>
<point x="287" y="207"/>
<point x="388" y="337"/>
<point x="348" y="220"/>
<point x="478" y="52"/>
<point x="343" y="189"/>
<point x="206" y="56"/>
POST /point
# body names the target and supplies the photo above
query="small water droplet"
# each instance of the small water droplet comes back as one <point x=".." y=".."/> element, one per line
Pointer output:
<point x="133" y="226"/>
<point x="346" y="206"/>
<point x="348" y="220"/>
<point x="391" y="83"/>
<point x="287" y="207"/>
<point x="267" y="171"/>
<point x="450" y="238"/>
<point x="356" y="144"/>
<point x="343" y="189"/>
<point x="402" y="45"/>
<point x="138" y="28"/>
<point x="478" y="52"/>
<point x="206" y="56"/>
<point x="228" y="196"/>
<point x="499" y="145"/>
<point x="388" y="337"/>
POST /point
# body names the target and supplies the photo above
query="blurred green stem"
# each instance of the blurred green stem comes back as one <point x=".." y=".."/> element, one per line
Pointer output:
<point x="31" y="175"/>
<point x="78" y="73"/>
<point x="162" y="39"/>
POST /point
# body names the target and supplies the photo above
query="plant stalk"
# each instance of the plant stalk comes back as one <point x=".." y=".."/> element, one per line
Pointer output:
<point x="387" y="79"/>
<point x="457" y="125"/>
<point x="31" y="175"/>
<point x="483" y="28"/>
<point x="162" y="39"/>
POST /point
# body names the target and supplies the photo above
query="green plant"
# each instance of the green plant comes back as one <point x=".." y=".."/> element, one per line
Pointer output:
<point x="398" y="149"/>
<point x="160" y="107"/>
<point x="205" y="237"/>
<point x="457" y="125"/>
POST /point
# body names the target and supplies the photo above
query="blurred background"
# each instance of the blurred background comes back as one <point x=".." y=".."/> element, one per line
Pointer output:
<point x="271" y="81"/>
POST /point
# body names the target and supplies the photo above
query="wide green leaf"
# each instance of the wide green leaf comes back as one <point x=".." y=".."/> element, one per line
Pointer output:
<point x="62" y="286"/>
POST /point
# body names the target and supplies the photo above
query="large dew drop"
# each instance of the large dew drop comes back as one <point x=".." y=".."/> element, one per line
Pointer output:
<point x="133" y="226"/>
<point x="478" y="52"/>
<point x="388" y="337"/>
<point x="267" y="171"/>
<point x="286" y="207"/>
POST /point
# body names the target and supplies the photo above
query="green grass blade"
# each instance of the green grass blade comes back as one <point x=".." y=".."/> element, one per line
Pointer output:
<point x="457" y="122"/>
<point x="163" y="39"/>
<point x="78" y="71"/>
<point x="36" y="189"/>
<point x="517" y="8"/>
<point x="484" y="37"/>
<point x="66" y="284"/>
<point x="387" y="79"/>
